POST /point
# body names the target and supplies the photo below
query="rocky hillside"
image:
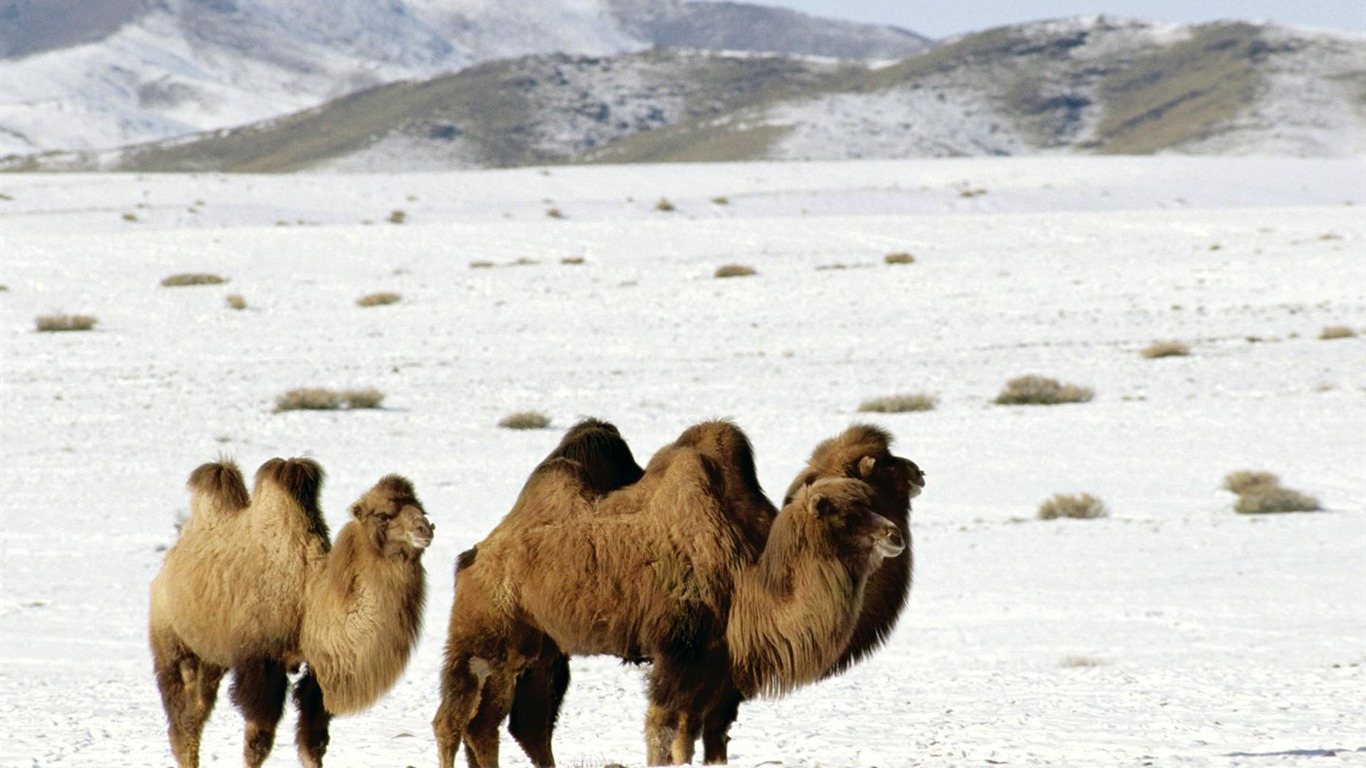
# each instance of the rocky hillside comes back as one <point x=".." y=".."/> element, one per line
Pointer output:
<point x="1089" y="85"/>
<point x="79" y="75"/>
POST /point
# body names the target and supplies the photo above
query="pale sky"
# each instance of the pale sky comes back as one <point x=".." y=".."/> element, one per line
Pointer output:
<point x="951" y="17"/>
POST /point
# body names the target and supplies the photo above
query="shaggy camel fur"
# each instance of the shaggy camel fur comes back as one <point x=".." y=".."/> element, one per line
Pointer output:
<point x="864" y="452"/>
<point x="657" y="570"/>
<point x="253" y="586"/>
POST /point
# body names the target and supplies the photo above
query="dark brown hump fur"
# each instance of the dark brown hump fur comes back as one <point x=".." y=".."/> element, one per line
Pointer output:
<point x="732" y="456"/>
<point x="606" y="459"/>
<point x="302" y="479"/>
<point x="223" y="481"/>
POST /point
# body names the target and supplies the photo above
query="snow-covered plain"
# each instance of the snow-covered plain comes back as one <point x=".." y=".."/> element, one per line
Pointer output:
<point x="1173" y="633"/>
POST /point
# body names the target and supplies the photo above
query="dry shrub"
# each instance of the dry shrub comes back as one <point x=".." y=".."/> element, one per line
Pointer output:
<point x="379" y="299"/>
<point x="899" y="258"/>
<point x="1260" y="493"/>
<point x="1083" y="507"/>
<point x="1336" y="332"/>
<point x="734" y="270"/>
<point x="58" y="323"/>
<point x="397" y="216"/>
<point x="1165" y="349"/>
<point x="192" y="278"/>
<point x="1038" y="390"/>
<point x="525" y="420"/>
<point x="554" y="213"/>
<point x="899" y="404"/>
<point x="319" y="399"/>
<point x="1274" y="500"/>
<point x="572" y="260"/>
<point x="235" y="301"/>
<point x="664" y="205"/>
<point x="3" y="288"/>
<point x="721" y="200"/>
<point x="481" y="264"/>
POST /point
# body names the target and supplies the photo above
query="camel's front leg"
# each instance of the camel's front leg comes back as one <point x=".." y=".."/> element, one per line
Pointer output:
<point x="311" y="734"/>
<point x="258" y="689"/>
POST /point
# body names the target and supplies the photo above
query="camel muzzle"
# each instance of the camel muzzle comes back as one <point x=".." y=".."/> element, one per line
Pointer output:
<point x="889" y="543"/>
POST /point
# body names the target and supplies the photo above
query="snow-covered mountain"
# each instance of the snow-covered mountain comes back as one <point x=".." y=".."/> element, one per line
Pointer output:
<point x="1084" y="85"/>
<point x="140" y="70"/>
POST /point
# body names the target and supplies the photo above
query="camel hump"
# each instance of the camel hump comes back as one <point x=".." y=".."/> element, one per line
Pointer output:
<point x="397" y="487"/>
<point x="220" y="482"/>
<point x="302" y="479"/>
<point x="598" y="448"/>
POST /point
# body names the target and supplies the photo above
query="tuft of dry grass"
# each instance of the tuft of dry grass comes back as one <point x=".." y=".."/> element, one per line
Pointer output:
<point x="664" y="205"/>
<point x="1336" y="332"/>
<point x="1249" y="480"/>
<point x="907" y="403"/>
<point x="1165" y="349"/>
<point x="524" y="420"/>
<point x="481" y="264"/>
<point x="734" y="270"/>
<point x="720" y="200"/>
<point x="554" y="213"/>
<point x="320" y="399"/>
<point x="1038" y="390"/>
<point x="397" y="216"/>
<point x="235" y="301"/>
<point x="1082" y="507"/>
<point x="572" y="260"/>
<point x="379" y="299"/>
<point x="60" y="323"/>
<point x="192" y="278"/>
<point x="1275" y="500"/>
<point x="899" y="258"/>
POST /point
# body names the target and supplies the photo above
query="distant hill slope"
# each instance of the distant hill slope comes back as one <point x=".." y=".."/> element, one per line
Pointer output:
<point x="1090" y="85"/>
<point x="79" y="75"/>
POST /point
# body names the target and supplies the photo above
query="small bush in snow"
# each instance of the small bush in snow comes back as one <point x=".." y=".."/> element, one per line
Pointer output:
<point x="664" y="205"/>
<point x="899" y="404"/>
<point x="899" y="258"/>
<point x="1273" y="500"/>
<point x="572" y="260"/>
<point x="1249" y="480"/>
<point x="722" y="200"/>
<point x="397" y="216"/>
<point x="554" y="213"/>
<point x="1336" y="332"/>
<point x="1038" y="390"/>
<point x="1165" y="349"/>
<point x="58" y="323"/>
<point x="192" y="278"/>
<point x="1083" y="507"/>
<point x="734" y="270"/>
<point x="525" y="420"/>
<point x="378" y="299"/>
<point x="235" y="301"/>
<point x="319" y="399"/>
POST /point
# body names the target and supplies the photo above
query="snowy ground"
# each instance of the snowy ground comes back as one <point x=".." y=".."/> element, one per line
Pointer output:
<point x="1173" y="633"/>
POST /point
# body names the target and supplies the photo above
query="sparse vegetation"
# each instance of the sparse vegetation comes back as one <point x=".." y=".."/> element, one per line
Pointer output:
<point x="1081" y="507"/>
<point x="899" y="404"/>
<point x="734" y="270"/>
<point x="235" y="301"/>
<point x="1038" y="390"/>
<point x="664" y="205"/>
<point x="378" y="299"/>
<point x="1336" y="332"/>
<point x="319" y="399"/>
<point x="59" y="323"/>
<point x="1260" y="493"/>
<point x="721" y="200"/>
<point x="525" y="420"/>
<point x="899" y="258"/>
<point x="481" y="264"/>
<point x="3" y="287"/>
<point x="1165" y="349"/>
<point x="130" y="216"/>
<point x="192" y="278"/>
<point x="397" y="216"/>
<point x="554" y="213"/>
<point x="572" y="260"/>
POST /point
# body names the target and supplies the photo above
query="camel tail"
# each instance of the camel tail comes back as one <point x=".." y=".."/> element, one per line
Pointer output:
<point x="218" y="485"/>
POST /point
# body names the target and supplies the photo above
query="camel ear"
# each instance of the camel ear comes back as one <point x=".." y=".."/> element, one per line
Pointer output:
<point x="823" y="505"/>
<point x="866" y="465"/>
<point x="357" y="511"/>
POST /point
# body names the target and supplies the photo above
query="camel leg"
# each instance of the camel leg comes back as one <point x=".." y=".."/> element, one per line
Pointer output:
<point x="189" y="687"/>
<point x="460" y="686"/>
<point x="258" y="689"/>
<point x="661" y="728"/>
<point x="716" y="727"/>
<point x="481" y="736"/>
<point x="536" y="703"/>
<point x="311" y="734"/>
<point x="689" y="728"/>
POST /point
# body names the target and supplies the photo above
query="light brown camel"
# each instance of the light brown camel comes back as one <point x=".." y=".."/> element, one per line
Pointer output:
<point x="864" y="452"/>
<point x="254" y="586"/>
<point x="656" y="570"/>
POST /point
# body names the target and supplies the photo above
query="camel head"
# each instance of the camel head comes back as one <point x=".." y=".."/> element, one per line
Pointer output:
<point x="394" y="518"/>
<point x="863" y="451"/>
<point x="842" y="514"/>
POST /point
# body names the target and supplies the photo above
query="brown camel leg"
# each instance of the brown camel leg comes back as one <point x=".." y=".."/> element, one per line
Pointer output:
<point x="661" y="728"/>
<point x="481" y="736"/>
<point x="536" y="703"/>
<point x="716" y="727"/>
<point x="188" y="688"/>
<point x="311" y="734"/>
<point x="459" y="696"/>
<point x="258" y="689"/>
<point x="689" y="728"/>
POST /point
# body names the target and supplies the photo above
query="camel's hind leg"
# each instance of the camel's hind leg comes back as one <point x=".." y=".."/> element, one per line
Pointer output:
<point x="536" y="706"/>
<point x="258" y="689"/>
<point x="311" y="734"/>
<point x="462" y="679"/>
<point x="188" y="688"/>
<point x="481" y="736"/>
